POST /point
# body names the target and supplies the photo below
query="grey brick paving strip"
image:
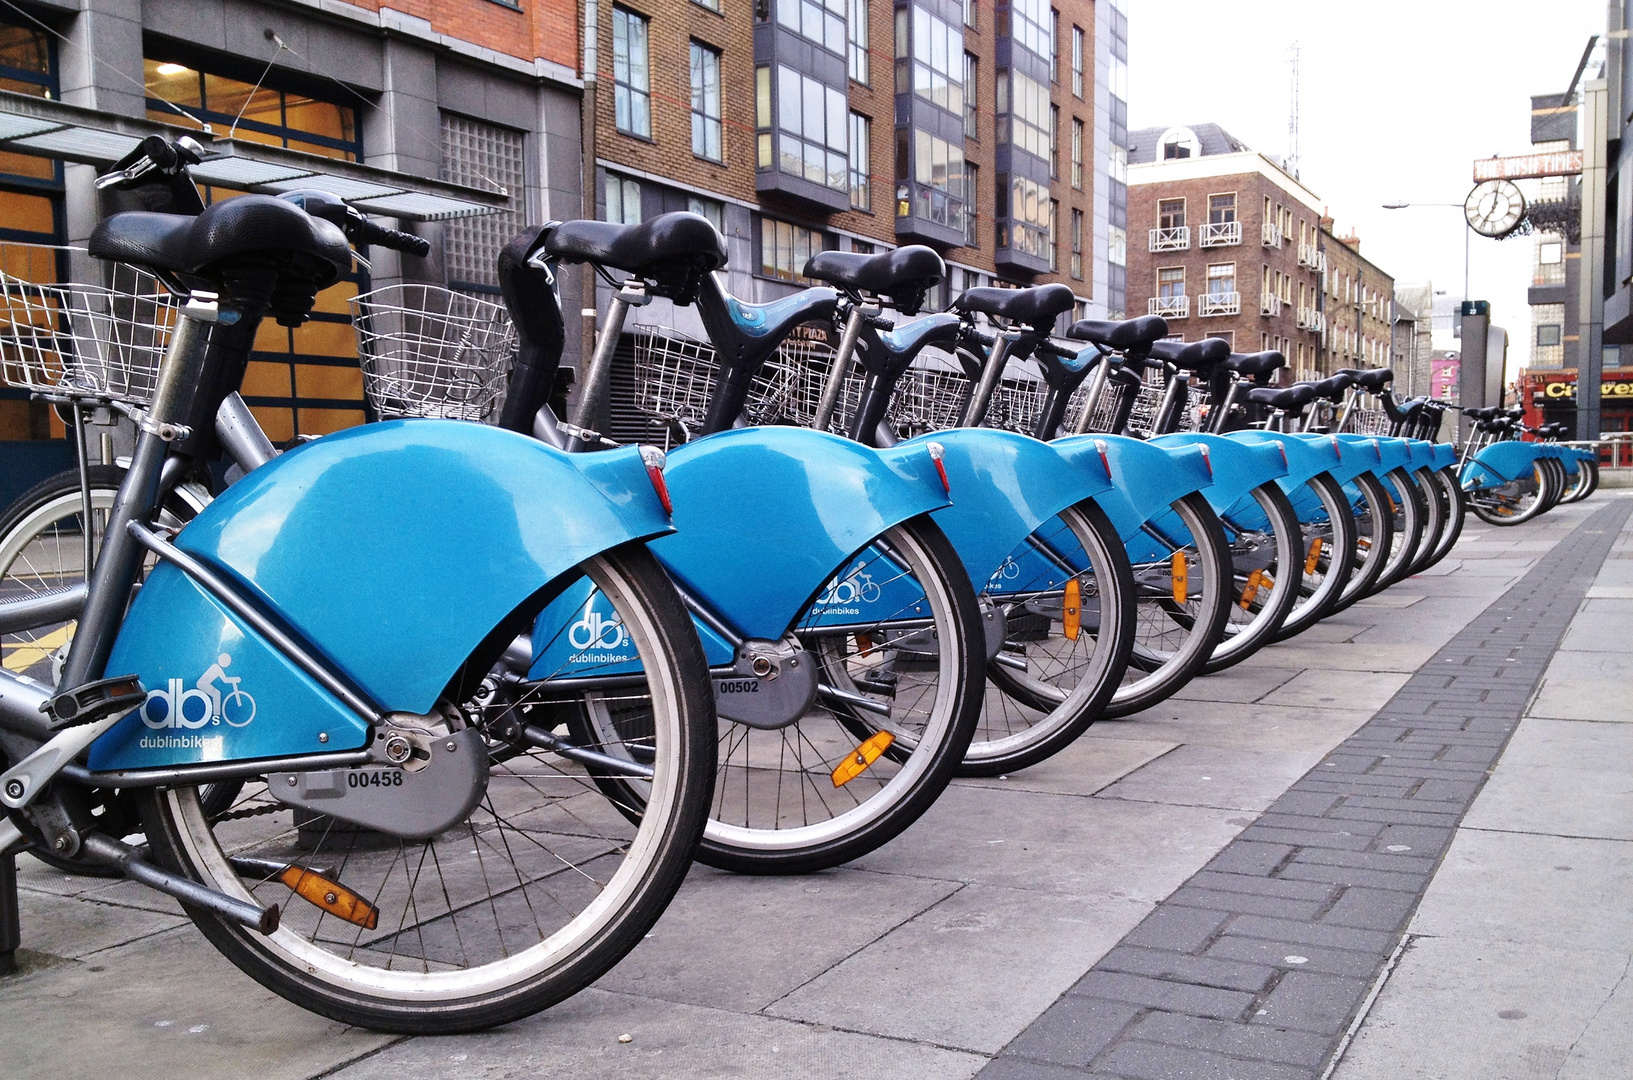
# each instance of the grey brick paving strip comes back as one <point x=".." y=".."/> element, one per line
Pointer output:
<point x="1258" y="964"/>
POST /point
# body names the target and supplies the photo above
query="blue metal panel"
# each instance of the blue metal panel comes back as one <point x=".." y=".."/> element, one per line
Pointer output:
<point x="1145" y="478"/>
<point x="395" y="548"/>
<point x="216" y="690"/>
<point x="1005" y="485"/>
<point x="766" y="516"/>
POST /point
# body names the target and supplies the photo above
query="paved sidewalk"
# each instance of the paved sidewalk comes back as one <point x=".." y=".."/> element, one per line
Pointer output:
<point x="932" y="957"/>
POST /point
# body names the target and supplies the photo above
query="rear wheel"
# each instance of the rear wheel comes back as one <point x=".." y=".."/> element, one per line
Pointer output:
<point x="1374" y="537"/>
<point x="539" y="892"/>
<point x="1514" y="502"/>
<point x="1066" y="601"/>
<point x="1439" y="509"/>
<point x="1329" y="539"/>
<point x="1587" y="480"/>
<point x="1267" y="556"/>
<point x="1410" y="517"/>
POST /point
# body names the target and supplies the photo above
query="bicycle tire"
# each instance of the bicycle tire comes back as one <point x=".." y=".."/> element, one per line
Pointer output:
<point x="1458" y="502"/>
<point x="1262" y="615"/>
<point x="1587" y="481"/>
<point x="1494" y="505"/>
<point x="1317" y="597"/>
<point x="1410" y="516"/>
<point x="1082" y="530"/>
<point x="1156" y="671"/>
<point x="1375" y="533"/>
<point x="416" y="984"/>
<point x="1439" y="520"/>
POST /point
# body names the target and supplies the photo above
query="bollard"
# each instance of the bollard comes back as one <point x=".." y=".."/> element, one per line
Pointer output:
<point x="10" y="930"/>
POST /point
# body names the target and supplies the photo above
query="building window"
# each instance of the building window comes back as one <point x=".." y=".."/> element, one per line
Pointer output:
<point x="631" y="79"/>
<point x="1116" y="245"/>
<point x="972" y="93"/>
<point x="480" y="155"/>
<point x="1024" y="23"/>
<point x="706" y="102"/>
<point x="1077" y="61"/>
<point x="713" y="209"/>
<point x="1077" y="244"/>
<point x="1548" y="334"/>
<point x="1054" y="46"/>
<point x="1054" y="238"/>
<point x="1023" y="113"/>
<point x="939" y="189"/>
<point x="785" y="249"/>
<point x="1023" y="215"/>
<point x="858" y="23"/>
<point x="861" y="156"/>
<point x="1171" y="213"/>
<point x="937" y="45"/>
<point x="1117" y="164"/>
<point x="762" y="117"/>
<point x="1221" y="279"/>
<point x="971" y="186"/>
<point x="1077" y="154"/>
<point x="623" y="200"/>
<point x="1171" y="283"/>
<point x="1221" y="209"/>
<point x="1054" y="141"/>
<point x="262" y="113"/>
<point x="821" y="21"/>
<point x="712" y="5"/>
<point x="970" y="8"/>
<point x="811" y="129"/>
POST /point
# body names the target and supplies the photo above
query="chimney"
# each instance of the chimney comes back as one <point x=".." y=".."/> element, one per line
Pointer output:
<point x="1326" y="220"/>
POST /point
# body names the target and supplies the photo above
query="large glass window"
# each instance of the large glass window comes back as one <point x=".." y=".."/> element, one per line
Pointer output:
<point x="1077" y="60"/>
<point x="858" y="22"/>
<point x="938" y="180"/>
<point x="1116" y="245"/>
<point x="706" y="102"/>
<point x="1170" y="213"/>
<point x="821" y="21"/>
<point x="1171" y="282"/>
<point x="1054" y="237"/>
<point x="762" y="116"/>
<point x="1023" y="215"/>
<point x="972" y="186"/>
<point x="812" y="136"/>
<point x="1221" y="209"/>
<point x="1077" y="243"/>
<point x="1077" y="154"/>
<point x="938" y="48"/>
<point x="972" y="94"/>
<point x="861" y="156"/>
<point x="1222" y="279"/>
<point x="786" y="248"/>
<point x="1026" y="23"/>
<point x="1023" y="113"/>
<point x="263" y="114"/>
<point x="623" y="200"/>
<point x="632" y="86"/>
<point x="713" y="209"/>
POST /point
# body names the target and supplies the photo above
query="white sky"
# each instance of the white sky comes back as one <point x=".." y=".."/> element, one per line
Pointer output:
<point x="1397" y="97"/>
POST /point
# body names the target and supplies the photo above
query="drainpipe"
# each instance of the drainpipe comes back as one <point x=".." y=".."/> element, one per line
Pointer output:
<point x="587" y="121"/>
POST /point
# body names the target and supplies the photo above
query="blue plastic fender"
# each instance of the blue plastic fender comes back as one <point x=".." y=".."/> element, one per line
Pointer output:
<point x="1005" y="485"/>
<point x="1393" y="453"/>
<point x="1238" y="467"/>
<point x="1445" y="455"/>
<point x="393" y="549"/>
<point x="1360" y="454"/>
<point x="1309" y="454"/>
<point x="1145" y="478"/>
<point x="765" y="516"/>
<point x="1498" y="464"/>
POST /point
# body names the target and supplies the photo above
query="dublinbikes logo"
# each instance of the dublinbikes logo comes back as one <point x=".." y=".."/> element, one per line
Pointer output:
<point x="599" y="635"/>
<point x="841" y="595"/>
<point x="213" y="700"/>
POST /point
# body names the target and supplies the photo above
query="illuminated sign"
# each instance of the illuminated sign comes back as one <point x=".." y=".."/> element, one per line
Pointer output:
<point x="1566" y="391"/>
<point x="1529" y="166"/>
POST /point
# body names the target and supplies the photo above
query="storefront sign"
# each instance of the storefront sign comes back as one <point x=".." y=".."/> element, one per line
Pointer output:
<point x="1620" y="390"/>
<point x="1529" y="166"/>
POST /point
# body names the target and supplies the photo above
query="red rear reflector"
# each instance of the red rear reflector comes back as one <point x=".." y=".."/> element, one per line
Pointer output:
<point x="1206" y="460"/>
<point x="1100" y="445"/>
<point x="1338" y="447"/>
<point x="936" y="451"/>
<point x="1283" y="448"/>
<point x="654" y="460"/>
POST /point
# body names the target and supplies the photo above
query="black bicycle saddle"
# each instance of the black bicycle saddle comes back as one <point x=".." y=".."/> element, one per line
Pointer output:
<point x="1128" y="334"/>
<point x="905" y="274"/>
<point x="1333" y="389"/>
<point x="1192" y="356"/>
<point x="1291" y="399"/>
<point x="1251" y="365"/>
<point x="1371" y="380"/>
<point x="651" y="248"/>
<point x="232" y="229"/>
<point x="1037" y="307"/>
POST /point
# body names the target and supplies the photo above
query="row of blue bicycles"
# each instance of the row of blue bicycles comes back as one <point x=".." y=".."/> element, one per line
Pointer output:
<point x="424" y="721"/>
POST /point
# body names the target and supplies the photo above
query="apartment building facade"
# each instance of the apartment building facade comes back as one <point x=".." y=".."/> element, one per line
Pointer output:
<point x="1359" y="308"/>
<point x="803" y="125"/>
<point x="457" y="119"/>
<point x="1224" y="243"/>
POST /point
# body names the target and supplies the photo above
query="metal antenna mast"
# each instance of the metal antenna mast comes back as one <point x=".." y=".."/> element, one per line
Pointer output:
<point x="1292" y="118"/>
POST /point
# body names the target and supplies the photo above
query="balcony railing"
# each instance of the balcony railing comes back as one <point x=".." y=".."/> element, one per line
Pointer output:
<point x="1306" y="254"/>
<point x="1176" y="239"/>
<point x="1221" y="234"/>
<point x="1320" y="262"/>
<point x="1169" y="307"/>
<point x="1318" y="321"/>
<point x="1306" y="318"/>
<point x="1269" y="304"/>
<point x="1220" y="303"/>
<point x="1271" y="235"/>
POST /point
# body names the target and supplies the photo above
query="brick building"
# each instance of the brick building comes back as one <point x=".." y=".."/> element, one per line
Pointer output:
<point x="1224" y="243"/>
<point x="457" y="119"/>
<point x="990" y="132"/>
<point x="1359" y="303"/>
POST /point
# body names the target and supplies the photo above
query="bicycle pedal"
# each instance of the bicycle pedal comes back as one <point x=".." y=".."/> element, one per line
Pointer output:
<point x="92" y="701"/>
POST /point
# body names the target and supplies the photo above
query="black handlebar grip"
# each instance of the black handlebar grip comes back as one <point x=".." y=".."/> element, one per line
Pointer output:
<point x="370" y="233"/>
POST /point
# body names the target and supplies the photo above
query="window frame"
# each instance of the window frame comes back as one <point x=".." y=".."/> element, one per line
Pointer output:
<point x="702" y="49"/>
<point x="625" y="87"/>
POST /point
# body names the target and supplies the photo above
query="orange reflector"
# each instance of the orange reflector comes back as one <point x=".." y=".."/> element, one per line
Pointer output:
<point x="1314" y="560"/>
<point x="1071" y="609"/>
<point x="1179" y="570"/>
<point x="864" y="644"/>
<point x="857" y="761"/>
<point x="1252" y="589"/>
<point x="331" y="896"/>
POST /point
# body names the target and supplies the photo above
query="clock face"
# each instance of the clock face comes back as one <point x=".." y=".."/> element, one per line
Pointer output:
<point x="1494" y="208"/>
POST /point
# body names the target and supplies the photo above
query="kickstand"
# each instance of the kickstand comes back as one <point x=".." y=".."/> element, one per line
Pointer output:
<point x="10" y="931"/>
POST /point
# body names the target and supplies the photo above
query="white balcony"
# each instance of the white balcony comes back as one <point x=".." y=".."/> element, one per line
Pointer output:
<point x="1177" y="239"/>
<point x="1219" y="303"/>
<point x="1320" y="261"/>
<point x="1306" y="254"/>
<point x="1320" y="323"/>
<point x="1306" y="318"/>
<point x="1221" y="234"/>
<point x="1269" y="304"/>
<point x="1169" y="307"/>
<point x="1271" y="235"/>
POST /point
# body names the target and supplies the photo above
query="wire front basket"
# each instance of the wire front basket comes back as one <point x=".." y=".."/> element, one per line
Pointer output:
<point x="675" y="378"/>
<point x="73" y="339"/>
<point x="1367" y="422"/>
<point x="427" y="351"/>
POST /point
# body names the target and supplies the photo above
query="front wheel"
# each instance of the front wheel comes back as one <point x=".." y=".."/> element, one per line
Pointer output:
<point x="1330" y="537"/>
<point x="1514" y="502"/>
<point x="1587" y="481"/>
<point x="536" y="894"/>
<point x="1267" y="556"/>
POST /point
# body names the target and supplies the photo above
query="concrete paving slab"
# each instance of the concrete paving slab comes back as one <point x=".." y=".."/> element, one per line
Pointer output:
<point x="1244" y="682"/>
<point x="1586" y="686"/>
<point x="1364" y="654"/>
<point x="1453" y="1010"/>
<point x="165" y="1007"/>
<point x="1568" y="777"/>
<point x="1390" y="599"/>
<point x="1601" y="625"/>
<point x="1225" y="777"/>
<point x="728" y="942"/>
<point x="1368" y="690"/>
<point x="1058" y="843"/>
<point x="668" y="1042"/>
<point x="971" y="972"/>
<point x="78" y="928"/>
<point x="1083" y="768"/>
<point x="1237" y="724"/>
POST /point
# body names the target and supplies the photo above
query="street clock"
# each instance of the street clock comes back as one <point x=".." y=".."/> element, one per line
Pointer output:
<point x="1494" y="208"/>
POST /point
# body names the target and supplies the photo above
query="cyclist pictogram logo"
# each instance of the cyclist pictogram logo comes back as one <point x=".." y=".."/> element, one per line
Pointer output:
<point x="1007" y="572"/>
<point x="858" y="587"/>
<point x="201" y="705"/>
